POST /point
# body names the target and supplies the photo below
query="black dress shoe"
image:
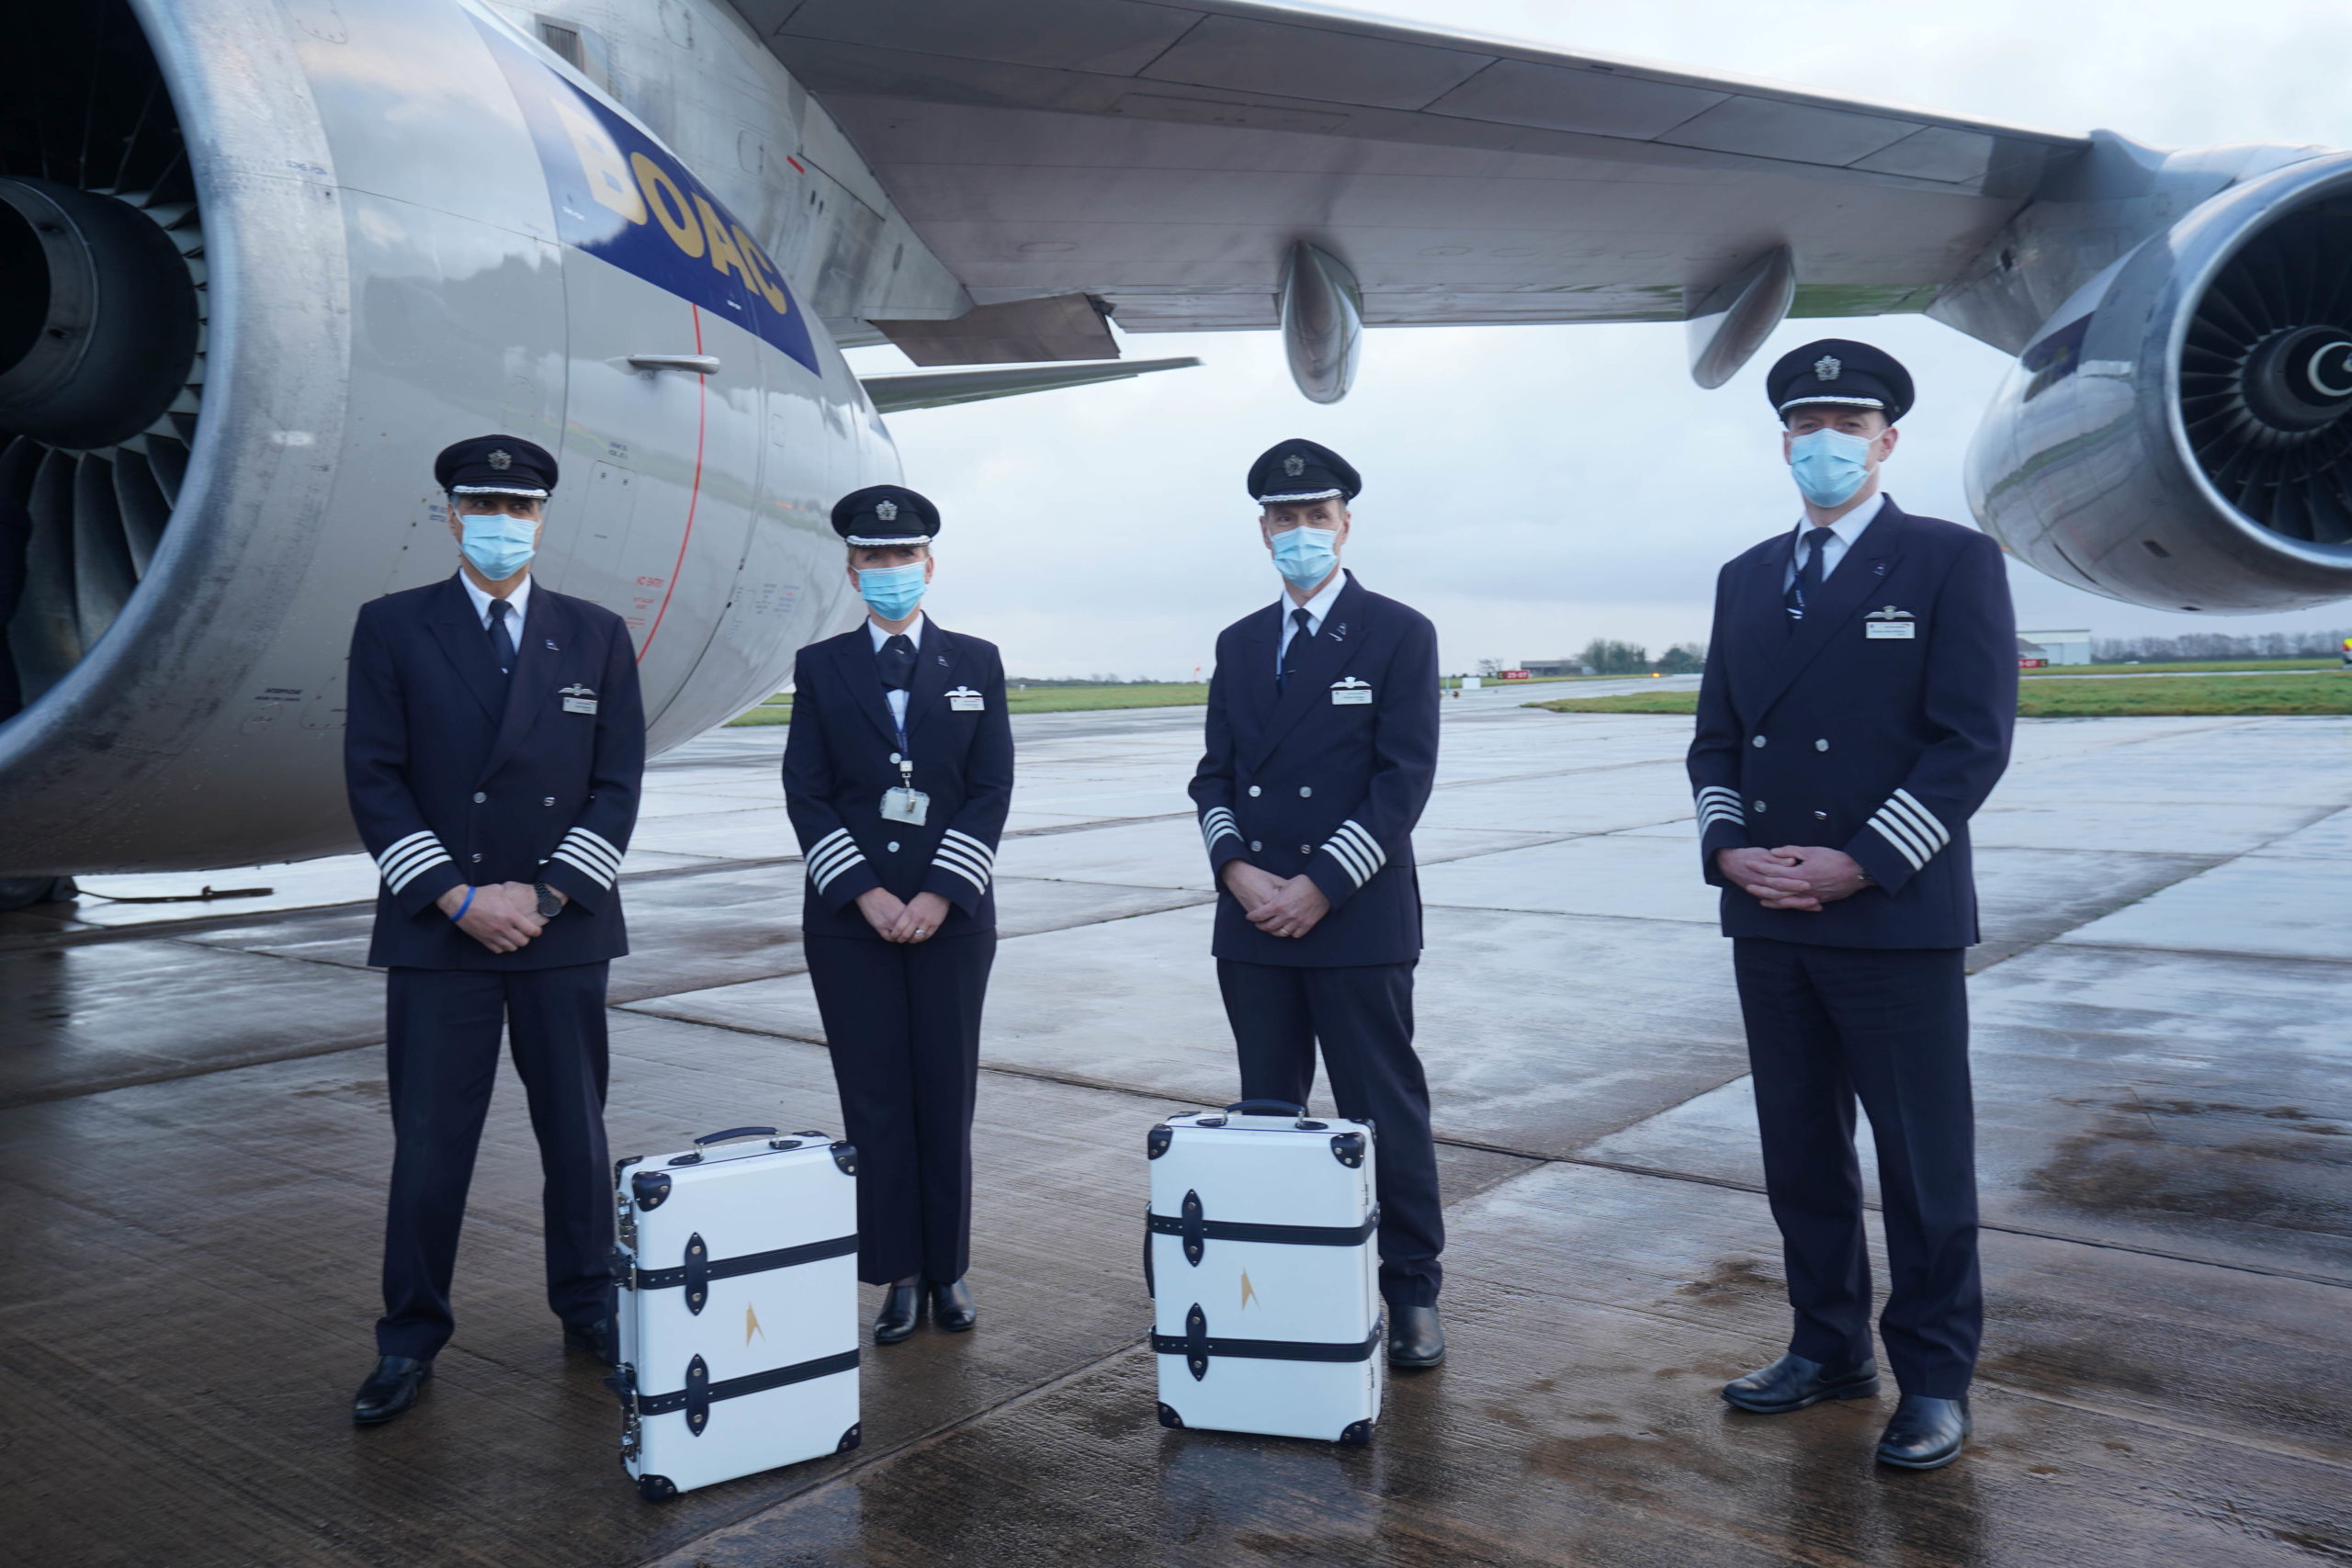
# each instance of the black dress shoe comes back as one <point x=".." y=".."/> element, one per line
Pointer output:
<point x="901" y="1306"/>
<point x="391" y="1388"/>
<point x="952" y="1308"/>
<point x="1792" y="1382"/>
<point x="1415" y="1338"/>
<point x="1924" y="1434"/>
<point x="600" y="1339"/>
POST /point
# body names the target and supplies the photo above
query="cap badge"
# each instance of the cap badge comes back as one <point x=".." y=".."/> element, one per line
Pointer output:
<point x="502" y="460"/>
<point x="1827" y="368"/>
<point x="1294" y="465"/>
<point x="886" y="510"/>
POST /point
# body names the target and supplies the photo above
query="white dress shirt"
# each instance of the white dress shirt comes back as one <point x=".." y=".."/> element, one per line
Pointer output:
<point x="520" y="598"/>
<point x="1845" y="531"/>
<point x="1316" y="609"/>
<point x="912" y="633"/>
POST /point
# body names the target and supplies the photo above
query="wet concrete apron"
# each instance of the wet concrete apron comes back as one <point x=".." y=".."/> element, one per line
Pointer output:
<point x="195" y="1148"/>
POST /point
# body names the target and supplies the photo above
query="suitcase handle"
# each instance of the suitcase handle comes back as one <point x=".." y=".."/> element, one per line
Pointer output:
<point x="1264" y="1108"/>
<point x="732" y="1134"/>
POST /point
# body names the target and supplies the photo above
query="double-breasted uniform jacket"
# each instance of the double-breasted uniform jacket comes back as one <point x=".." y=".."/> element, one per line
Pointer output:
<point x="839" y="758"/>
<point x="1327" y="778"/>
<point x="1877" y="725"/>
<point x="459" y="773"/>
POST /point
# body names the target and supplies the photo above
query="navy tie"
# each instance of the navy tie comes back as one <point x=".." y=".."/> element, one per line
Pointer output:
<point x="1297" y="651"/>
<point x="1806" y="586"/>
<point x="502" y="636"/>
<point x="896" y="658"/>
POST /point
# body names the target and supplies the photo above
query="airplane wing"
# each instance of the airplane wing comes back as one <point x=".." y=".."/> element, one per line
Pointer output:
<point x="1165" y="159"/>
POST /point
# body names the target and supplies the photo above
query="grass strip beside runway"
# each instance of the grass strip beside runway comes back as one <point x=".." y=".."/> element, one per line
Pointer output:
<point x="2243" y="697"/>
<point x="1042" y="699"/>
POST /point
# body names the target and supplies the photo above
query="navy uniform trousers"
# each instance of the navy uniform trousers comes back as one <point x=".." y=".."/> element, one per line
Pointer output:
<point x="1323" y="774"/>
<point x="1888" y="1026"/>
<point x="1363" y="1016"/>
<point x="903" y="1022"/>
<point x="442" y="1060"/>
<point x="1875" y="722"/>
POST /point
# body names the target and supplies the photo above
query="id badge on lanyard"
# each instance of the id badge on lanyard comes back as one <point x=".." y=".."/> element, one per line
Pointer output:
<point x="906" y="804"/>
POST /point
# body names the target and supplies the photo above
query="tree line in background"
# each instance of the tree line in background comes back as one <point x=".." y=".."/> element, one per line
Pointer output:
<point x="2218" y="644"/>
<point x="1606" y="656"/>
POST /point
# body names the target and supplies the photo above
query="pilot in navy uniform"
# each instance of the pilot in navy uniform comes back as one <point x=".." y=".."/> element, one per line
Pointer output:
<point x="898" y="772"/>
<point x="1859" y="693"/>
<point x="1321" y="745"/>
<point x="494" y="748"/>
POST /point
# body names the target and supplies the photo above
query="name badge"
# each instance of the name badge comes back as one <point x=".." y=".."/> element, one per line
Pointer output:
<point x="1874" y="630"/>
<point x="963" y="699"/>
<point x="578" y="699"/>
<point x="908" y="805"/>
<point x="1351" y="692"/>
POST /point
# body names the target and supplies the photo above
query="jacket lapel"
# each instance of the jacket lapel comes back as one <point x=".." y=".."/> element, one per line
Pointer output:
<point x="1861" y="574"/>
<point x="1252" y="679"/>
<point x="459" y="631"/>
<point x="935" y="662"/>
<point x="530" y="690"/>
<point x="1342" y="633"/>
<point x="862" y="674"/>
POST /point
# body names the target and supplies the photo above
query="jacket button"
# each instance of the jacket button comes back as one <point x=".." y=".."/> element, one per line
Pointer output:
<point x="1255" y="846"/>
<point x="1758" y="741"/>
<point x="1303" y="791"/>
<point x="549" y="801"/>
<point x="480" y="798"/>
<point x="1306" y="849"/>
<point x="1253" y="792"/>
<point x="1821" y="817"/>
<point x="477" y="857"/>
<point x="1821" y="745"/>
<point x="1757" y="804"/>
<point x="892" y="846"/>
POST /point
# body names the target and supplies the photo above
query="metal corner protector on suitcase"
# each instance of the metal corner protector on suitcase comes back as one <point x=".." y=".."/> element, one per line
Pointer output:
<point x="737" y="1268"/>
<point x="1263" y="1272"/>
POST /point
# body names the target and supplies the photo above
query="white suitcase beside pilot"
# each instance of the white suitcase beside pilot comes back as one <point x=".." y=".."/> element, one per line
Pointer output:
<point x="738" y="1307"/>
<point x="1264" y="1273"/>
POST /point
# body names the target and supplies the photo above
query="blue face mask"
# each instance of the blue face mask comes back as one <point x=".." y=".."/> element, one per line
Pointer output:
<point x="1306" y="556"/>
<point x="1829" y="465"/>
<point x="892" y="592"/>
<point x="499" y="546"/>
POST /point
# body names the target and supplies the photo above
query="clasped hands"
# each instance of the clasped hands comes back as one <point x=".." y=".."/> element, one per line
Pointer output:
<point x="1795" y="876"/>
<point x="915" y="920"/>
<point x="503" y="916"/>
<point x="1279" y="906"/>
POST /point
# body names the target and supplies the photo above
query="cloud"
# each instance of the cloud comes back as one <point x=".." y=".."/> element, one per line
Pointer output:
<point x="1531" y="488"/>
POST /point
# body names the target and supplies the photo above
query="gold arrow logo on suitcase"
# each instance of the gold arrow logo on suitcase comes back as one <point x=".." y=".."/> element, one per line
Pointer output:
<point x="752" y="1324"/>
<point x="1249" y="1290"/>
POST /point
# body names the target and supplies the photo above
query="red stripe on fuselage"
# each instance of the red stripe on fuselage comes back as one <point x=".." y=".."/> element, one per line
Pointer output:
<point x="702" y="411"/>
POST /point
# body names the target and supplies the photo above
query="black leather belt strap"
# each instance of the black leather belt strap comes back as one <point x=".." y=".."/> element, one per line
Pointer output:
<point x="751" y="1263"/>
<point x="1197" y="1348"/>
<point x="700" y="1393"/>
<point x="1197" y="1229"/>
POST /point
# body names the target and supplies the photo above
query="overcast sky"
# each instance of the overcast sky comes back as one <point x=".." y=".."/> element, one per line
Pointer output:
<point x="1531" y="488"/>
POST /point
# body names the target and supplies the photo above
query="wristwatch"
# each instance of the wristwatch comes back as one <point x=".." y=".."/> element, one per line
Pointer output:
<point x="551" y="901"/>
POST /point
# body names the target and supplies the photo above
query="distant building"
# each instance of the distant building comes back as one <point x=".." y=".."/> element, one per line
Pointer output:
<point x="2057" y="647"/>
<point x="1555" y="667"/>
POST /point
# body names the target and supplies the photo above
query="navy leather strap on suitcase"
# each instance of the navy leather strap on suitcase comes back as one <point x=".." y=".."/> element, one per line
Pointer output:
<point x="698" y="1269"/>
<point x="1197" y="1348"/>
<point x="1198" y="1230"/>
<point x="700" y="1393"/>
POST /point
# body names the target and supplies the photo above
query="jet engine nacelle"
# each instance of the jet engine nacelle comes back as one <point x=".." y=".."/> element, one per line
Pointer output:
<point x="346" y="234"/>
<point x="2179" y="433"/>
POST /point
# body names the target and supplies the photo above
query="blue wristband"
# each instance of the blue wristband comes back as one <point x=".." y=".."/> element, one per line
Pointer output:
<point x="464" y="907"/>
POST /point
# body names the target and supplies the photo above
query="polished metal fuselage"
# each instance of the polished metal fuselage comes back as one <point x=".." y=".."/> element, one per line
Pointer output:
<point x="395" y="259"/>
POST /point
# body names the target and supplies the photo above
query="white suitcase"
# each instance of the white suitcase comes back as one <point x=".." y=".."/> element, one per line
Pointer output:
<point x="737" y="1266"/>
<point x="1264" y="1275"/>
